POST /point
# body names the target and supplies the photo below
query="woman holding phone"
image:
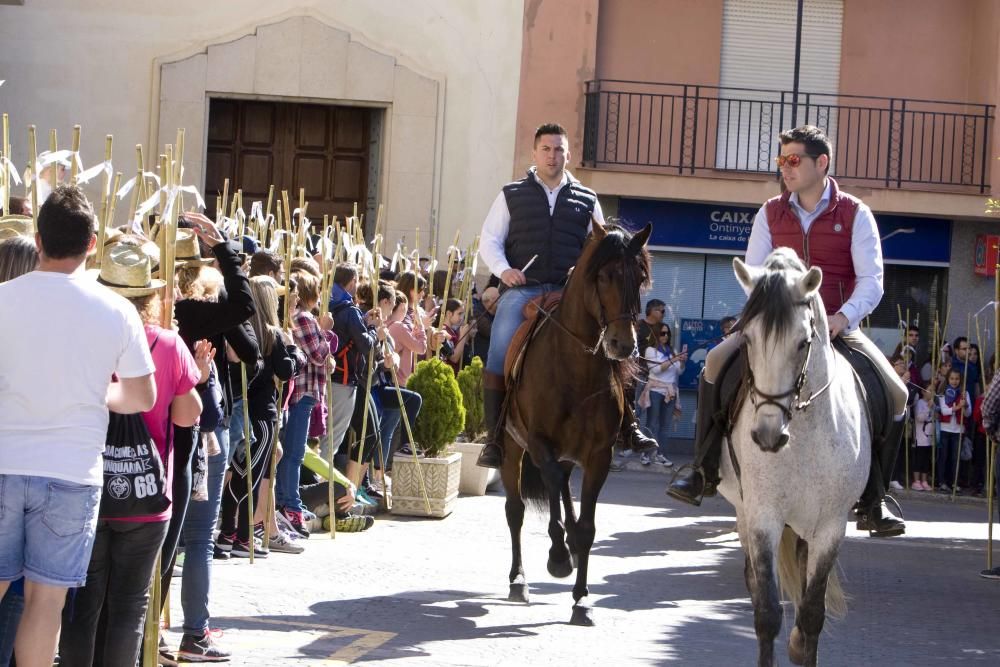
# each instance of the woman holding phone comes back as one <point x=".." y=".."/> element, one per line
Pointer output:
<point x="660" y="397"/>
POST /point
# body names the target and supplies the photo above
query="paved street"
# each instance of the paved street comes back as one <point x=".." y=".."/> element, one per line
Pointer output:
<point x="667" y="582"/>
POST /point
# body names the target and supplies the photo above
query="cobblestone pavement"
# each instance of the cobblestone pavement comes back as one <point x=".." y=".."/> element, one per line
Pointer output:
<point x="667" y="582"/>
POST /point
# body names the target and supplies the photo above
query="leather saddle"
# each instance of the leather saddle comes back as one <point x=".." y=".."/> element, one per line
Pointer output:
<point x="529" y="328"/>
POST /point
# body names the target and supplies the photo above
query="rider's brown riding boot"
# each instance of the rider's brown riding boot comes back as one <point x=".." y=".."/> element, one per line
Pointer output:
<point x="702" y="478"/>
<point x="494" y="392"/>
<point x="873" y="515"/>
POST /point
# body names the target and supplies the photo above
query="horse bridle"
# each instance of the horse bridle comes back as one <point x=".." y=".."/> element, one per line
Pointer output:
<point x="603" y="321"/>
<point x="796" y="391"/>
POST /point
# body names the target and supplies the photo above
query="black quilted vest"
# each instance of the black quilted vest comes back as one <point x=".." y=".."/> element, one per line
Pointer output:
<point x="557" y="239"/>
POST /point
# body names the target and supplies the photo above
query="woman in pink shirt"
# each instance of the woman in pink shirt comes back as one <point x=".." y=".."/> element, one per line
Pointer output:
<point x="409" y="334"/>
<point x="125" y="550"/>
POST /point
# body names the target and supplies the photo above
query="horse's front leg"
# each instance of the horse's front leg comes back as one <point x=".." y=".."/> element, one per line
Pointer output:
<point x="762" y="543"/>
<point x="572" y="539"/>
<point x="803" y="641"/>
<point x="595" y="472"/>
<point x="510" y="474"/>
<point x="555" y="478"/>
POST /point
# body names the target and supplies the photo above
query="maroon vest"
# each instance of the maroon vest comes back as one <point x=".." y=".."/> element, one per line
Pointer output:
<point x="827" y="245"/>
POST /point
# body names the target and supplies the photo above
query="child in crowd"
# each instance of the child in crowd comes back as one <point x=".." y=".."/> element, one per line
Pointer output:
<point x="923" y="428"/>
<point x="459" y="332"/>
<point x="955" y="410"/>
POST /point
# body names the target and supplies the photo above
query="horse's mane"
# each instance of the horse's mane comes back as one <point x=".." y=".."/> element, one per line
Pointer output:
<point x="772" y="300"/>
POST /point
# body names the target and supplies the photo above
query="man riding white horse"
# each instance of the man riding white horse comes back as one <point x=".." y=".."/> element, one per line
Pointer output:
<point x="539" y="222"/>
<point x="835" y="231"/>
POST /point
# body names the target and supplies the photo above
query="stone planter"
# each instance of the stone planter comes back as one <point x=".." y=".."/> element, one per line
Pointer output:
<point x="441" y="476"/>
<point x="474" y="479"/>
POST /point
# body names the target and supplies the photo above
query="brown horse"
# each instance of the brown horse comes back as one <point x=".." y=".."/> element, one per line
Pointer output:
<point x="567" y="404"/>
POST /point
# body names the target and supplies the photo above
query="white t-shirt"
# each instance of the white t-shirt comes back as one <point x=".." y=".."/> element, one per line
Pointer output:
<point x="665" y="373"/>
<point x="61" y="339"/>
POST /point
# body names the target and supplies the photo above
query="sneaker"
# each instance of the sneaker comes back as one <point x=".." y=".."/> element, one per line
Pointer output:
<point x="663" y="461"/>
<point x="616" y="467"/>
<point x="308" y="516"/>
<point x="292" y="521"/>
<point x="895" y="486"/>
<point x="352" y="523"/>
<point x="241" y="549"/>
<point x="645" y="460"/>
<point x="364" y="499"/>
<point x="202" y="649"/>
<point x="990" y="574"/>
<point x="283" y="544"/>
<point x="223" y="546"/>
<point x="164" y="655"/>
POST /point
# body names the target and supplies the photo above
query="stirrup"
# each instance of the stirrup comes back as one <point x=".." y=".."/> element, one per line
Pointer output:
<point x="707" y="489"/>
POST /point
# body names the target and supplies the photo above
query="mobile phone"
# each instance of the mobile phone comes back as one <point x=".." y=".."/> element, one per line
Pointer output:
<point x="684" y="348"/>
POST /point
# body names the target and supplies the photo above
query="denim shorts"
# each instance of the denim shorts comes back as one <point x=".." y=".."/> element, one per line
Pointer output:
<point x="47" y="529"/>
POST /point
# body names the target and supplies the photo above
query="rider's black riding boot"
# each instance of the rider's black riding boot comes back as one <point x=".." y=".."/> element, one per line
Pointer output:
<point x="703" y="476"/>
<point x="632" y="434"/>
<point x="493" y="394"/>
<point x="873" y="515"/>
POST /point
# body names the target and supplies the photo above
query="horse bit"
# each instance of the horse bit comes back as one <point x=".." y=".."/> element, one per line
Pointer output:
<point x="796" y="391"/>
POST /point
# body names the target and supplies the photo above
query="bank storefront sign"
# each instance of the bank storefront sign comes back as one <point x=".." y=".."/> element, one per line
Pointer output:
<point x="724" y="230"/>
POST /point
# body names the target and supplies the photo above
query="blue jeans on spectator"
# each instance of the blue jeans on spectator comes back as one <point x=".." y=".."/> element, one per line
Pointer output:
<point x="392" y="416"/>
<point x="198" y="533"/>
<point x="509" y="316"/>
<point x="947" y="457"/>
<point x="640" y="412"/>
<point x="235" y="430"/>
<point x="11" y="608"/>
<point x="286" y="489"/>
<point x="658" y="417"/>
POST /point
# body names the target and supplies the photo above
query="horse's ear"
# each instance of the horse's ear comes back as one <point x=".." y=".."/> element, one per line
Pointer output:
<point x="640" y="238"/>
<point x="747" y="276"/>
<point x="811" y="281"/>
<point x="598" y="230"/>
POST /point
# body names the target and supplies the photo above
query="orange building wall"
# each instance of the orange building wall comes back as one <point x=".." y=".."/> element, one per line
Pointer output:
<point x="557" y="59"/>
<point x="664" y="41"/>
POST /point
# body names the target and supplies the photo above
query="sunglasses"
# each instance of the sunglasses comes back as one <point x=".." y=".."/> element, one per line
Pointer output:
<point x="792" y="160"/>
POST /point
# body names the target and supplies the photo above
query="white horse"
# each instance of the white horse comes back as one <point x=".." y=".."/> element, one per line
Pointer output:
<point x="801" y="444"/>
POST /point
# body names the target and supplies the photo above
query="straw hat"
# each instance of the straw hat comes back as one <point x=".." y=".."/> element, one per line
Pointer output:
<point x="126" y="270"/>
<point x="187" y="250"/>
<point x="15" y="225"/>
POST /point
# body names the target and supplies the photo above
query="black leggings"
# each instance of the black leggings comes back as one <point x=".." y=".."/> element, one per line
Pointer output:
<point x="234" y="496"/>
<point x="185" y="441"/>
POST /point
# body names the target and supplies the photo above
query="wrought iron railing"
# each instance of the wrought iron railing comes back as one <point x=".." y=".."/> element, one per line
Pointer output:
<point x="883" y="141"/>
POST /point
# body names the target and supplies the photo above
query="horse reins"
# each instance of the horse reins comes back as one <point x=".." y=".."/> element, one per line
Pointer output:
<point x="796" y="391"/>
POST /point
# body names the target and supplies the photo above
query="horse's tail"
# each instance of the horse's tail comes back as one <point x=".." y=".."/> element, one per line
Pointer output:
<point x="790" y="578"/>
<point x="533" y="490"/>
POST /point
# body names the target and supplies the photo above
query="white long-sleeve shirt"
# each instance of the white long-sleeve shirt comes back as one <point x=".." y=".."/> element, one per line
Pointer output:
<point x="866" y="253"/>
<point x="497" y="225"/>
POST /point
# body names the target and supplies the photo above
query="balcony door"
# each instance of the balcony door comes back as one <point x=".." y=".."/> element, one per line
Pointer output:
<point x="322" y="148"/>
<point x="758" y="55"/>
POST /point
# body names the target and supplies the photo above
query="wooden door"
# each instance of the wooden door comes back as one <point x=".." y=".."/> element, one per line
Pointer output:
<point x="322" y="148"/>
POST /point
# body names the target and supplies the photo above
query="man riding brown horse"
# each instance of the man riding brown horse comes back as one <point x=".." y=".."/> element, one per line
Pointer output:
<point x="539" y="222"/>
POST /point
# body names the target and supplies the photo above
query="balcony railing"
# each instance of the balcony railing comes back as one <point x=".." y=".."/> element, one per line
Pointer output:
<point x="880" y="141"/>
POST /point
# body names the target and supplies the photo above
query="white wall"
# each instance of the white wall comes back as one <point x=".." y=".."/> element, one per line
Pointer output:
<point x="92" y="63"/>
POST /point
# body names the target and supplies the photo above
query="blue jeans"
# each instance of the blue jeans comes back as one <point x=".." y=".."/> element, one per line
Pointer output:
<point x="199" y="526"/>
<point x="235" y="430"/>
<point x="657" y="420"/>
<point x="47" y="529"/>
<point x="392" y="416"/>
<point x="508" y="318"/>
<point x="286" y="489"/>
<point x="947" y="457"/>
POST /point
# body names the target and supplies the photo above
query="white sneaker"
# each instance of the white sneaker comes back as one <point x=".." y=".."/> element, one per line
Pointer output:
<point x="663" y="460"/>
<point x="895" y="486"/>
<point x="645" y="460"/>
<point x="284" y="545"/>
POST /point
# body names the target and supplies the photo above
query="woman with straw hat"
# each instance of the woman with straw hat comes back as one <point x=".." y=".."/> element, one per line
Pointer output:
<point x="125" y="549"/>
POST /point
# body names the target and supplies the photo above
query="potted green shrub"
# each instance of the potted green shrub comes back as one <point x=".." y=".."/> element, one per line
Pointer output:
<point x="441" y="418"/>
<point x="474" y="479"/>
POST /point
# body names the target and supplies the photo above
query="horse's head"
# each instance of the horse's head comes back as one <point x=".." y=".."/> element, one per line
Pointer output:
<point x="615" y="265"/>
<point x="781" y="321"/>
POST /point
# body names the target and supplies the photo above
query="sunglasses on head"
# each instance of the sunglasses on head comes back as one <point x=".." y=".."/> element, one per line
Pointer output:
<point x="792" y="160"/>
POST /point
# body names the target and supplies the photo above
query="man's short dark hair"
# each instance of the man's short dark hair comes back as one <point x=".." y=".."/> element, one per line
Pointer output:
<point x="345" y="273"/>
<point x="66" y="223"/>
<point x="549" y="128"/>
<point x="914" y="328"/>
<point x="18" y="206"/>
<point x="652" y="305"/>
<point x="812" y="138"/>
<point x="958" y="341"/>
<point x="264" y="262"/>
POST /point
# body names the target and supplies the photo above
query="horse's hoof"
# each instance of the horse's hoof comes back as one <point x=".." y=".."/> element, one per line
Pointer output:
<point x="518" y="593"/>
<point x="797" y="647"/>
<point x="583" y="614"/>
<point x="560" y="569"/>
